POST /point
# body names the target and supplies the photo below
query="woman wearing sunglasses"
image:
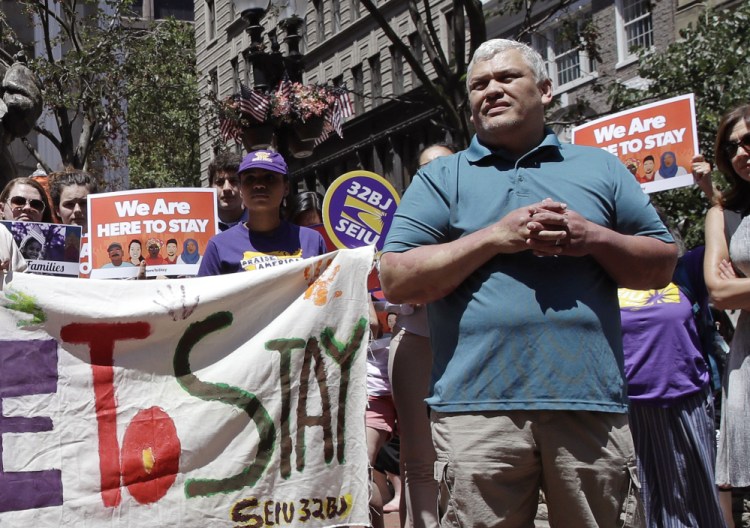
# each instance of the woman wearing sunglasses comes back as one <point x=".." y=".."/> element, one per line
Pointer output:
<point x="726" y="270"/>
<point x="24" y="200"/>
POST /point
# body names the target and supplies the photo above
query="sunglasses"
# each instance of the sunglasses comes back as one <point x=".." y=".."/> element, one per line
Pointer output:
<point x="730" y="147"/>
<point x="19" y="201"/>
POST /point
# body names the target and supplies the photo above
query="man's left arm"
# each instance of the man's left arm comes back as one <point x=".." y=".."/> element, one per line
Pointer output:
<point x="631" y="244"/>
<point x="637" y="262"/>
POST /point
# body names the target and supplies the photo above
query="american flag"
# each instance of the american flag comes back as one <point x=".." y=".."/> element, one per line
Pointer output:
<point x="344" y="102"/>
<point x="285" y="86"/>
<point x="327" y="128"/>
<point x="253" y="103"/>
<point x="342" y="108"/>
<point x="229" y="128"/>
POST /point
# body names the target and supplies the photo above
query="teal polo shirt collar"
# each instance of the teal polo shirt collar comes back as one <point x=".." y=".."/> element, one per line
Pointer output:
<point x="478" y="152"/>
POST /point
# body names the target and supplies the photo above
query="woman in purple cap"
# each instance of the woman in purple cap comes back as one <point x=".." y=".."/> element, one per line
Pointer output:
<point x="265" y="240"/>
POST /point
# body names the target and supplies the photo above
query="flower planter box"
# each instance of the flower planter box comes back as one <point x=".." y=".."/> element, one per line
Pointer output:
<point x="257" y="137"/>
<point x="310" y="130"/>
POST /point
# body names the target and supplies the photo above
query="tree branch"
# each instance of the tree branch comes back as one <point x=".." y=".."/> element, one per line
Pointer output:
<point x="433" y="90"/>
<point x="434" y="40"/>
<point x="35" y="153"/>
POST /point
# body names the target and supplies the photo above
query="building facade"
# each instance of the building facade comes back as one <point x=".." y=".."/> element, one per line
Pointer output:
<point x="342" y="45"/>
<point x="394" y="118"/>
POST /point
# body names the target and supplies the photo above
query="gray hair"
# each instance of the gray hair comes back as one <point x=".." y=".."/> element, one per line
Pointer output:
<point x="490" y="48"/>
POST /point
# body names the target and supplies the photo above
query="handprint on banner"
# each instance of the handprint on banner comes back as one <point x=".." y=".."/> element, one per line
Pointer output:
<point x="170" y="300"/>
<point x="319" y="278"/>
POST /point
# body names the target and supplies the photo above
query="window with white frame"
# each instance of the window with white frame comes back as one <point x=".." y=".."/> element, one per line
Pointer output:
<point x="235" y="74"/>
<point x="415" y="43"/>
<point x="210" y="20"/>
<point x="336" y="12"/>
<point x="397" y="70"/>
<point x="376" y="84"/>
<point x="358" y="89"/>
<point x="568" y="62"/>
<point x="635" y="29"/>
<point x="320" y="23"/>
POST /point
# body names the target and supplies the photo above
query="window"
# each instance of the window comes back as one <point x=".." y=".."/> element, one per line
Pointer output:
<point x="354" y="9"/>
<point x="358" y="89"/>
<point x="248" y="69"/>
<point x="235" y="75"/>
<point x="449" y="38"/>
<point x="336" y="12"/>
<point x="320" y="22"/>
<point x="567" y="59"/>
<point x="397" y="70"/>
<point x="338" y="80"/>
<point x="376" y="84"/>
<point x="210" y="20"/>
<point x="635" y="28"/>
<point x="180" y="9"/>
<point x="415" y="43"/>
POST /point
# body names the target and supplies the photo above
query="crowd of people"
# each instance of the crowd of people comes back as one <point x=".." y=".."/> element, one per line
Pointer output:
<point x="552" y="335"/>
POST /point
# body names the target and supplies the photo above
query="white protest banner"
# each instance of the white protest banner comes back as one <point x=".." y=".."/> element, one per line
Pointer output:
<point x="234" y="400"/>
<point x="656" y="141"/>
<point x="168" y="228"/>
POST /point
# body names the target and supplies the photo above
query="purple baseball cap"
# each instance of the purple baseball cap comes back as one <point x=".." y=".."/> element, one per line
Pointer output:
<point x="263" y="159"/>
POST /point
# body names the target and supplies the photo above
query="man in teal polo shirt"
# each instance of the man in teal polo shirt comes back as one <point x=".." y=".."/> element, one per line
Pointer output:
<point x="518" y="244"/>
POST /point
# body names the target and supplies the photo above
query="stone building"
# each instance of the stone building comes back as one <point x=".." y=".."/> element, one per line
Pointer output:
<point x="394" y="119"/>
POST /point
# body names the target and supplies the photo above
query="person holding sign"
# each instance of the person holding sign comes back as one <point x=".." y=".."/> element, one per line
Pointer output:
<point x="264" y="240"/>
<point x="68" y="191"/>
<point x="726" y="270"/>
<point x="518" y="244"/>
<point x="24" y="200"/>
<point x="222" y="176"/>
<point x="10" y="257"/>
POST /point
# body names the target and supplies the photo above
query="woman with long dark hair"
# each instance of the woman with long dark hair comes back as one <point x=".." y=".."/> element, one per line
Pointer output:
<point x="726" y="270"/>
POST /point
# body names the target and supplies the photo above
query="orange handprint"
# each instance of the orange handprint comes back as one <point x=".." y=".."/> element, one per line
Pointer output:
<point x="319" y="288"/>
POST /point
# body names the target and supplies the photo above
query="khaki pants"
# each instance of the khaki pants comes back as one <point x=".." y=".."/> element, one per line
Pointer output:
<point x="492" y="465"/>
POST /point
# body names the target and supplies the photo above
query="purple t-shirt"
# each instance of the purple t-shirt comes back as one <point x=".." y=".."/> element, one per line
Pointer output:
<point x="663" y="359"/>
<point x="238" y="249"/>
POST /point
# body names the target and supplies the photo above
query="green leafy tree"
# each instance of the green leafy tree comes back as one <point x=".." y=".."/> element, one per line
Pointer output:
<point x="163" y="108"/>
<point x="106" y="74"/>
<point x="447" y="89"/>
<point x="710" y="61"/>
<point x="82" y="78"/>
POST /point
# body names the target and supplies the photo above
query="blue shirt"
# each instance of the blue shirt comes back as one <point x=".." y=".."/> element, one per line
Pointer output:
<point x="525" y="332"/>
